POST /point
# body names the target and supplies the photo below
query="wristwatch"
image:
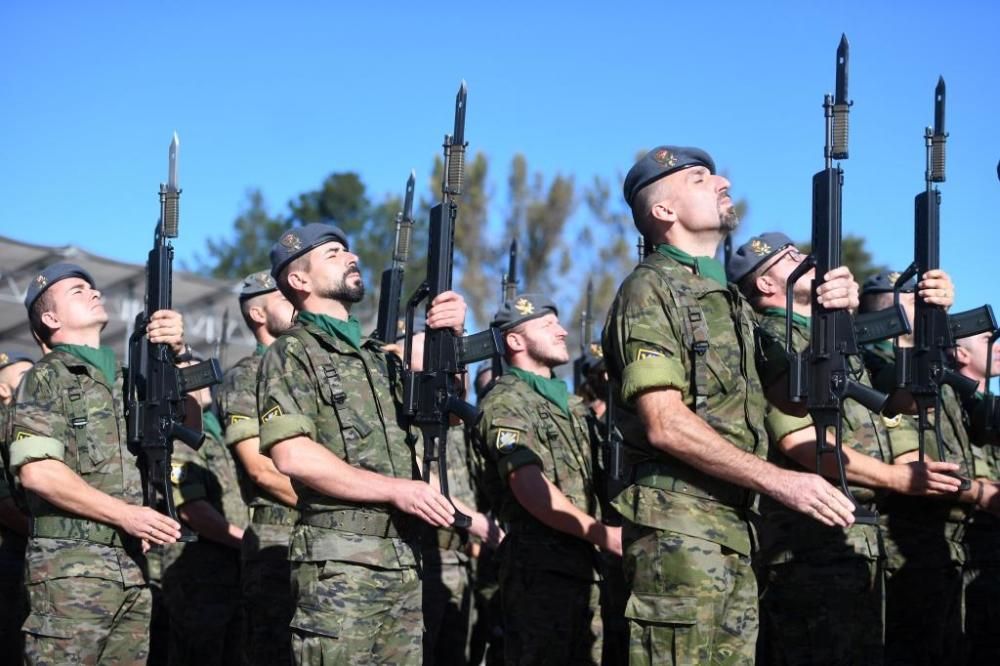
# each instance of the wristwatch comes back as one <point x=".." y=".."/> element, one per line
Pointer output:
<point x="185" y="356"/>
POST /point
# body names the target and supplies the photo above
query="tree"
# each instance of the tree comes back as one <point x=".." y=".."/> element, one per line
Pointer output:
<point x="254" y="232"/>
<point x="855" y="256"/>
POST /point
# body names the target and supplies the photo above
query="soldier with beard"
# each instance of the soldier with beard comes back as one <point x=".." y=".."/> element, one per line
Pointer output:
<point x="330" y="420"/>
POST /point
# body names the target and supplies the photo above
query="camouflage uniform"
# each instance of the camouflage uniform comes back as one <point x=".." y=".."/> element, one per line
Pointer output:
<point x="822" y="588"/>
<point x="89" y="600"/>
<point x="447" y="590"/>
<point x="358" y="596"/>
<point x="14" y="607"/>
<point x="923" y="543"/>
<point x="548" y="582"/>
<point x="267" y="594"/>
<point x="686" y="535"/>
<point x="201" y="579"/>
<point x="982" y="566"/>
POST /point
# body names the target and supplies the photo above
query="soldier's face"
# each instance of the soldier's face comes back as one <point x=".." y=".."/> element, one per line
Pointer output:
<point x="76" y="305"/>
<point x="782" y="266"/>
<point x="545" y="340"/>
<point x="278" y="312"/>
<point x="334" y="270"/>
<point x="975" y="348"/>
<point x="701" y="200"/>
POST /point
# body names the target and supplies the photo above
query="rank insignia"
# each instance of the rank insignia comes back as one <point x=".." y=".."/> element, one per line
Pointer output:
<point x="665" y="157"/>
<point x="524" y="306"/>
<point x="271" y="413"/>
<point x="759" y="247"/>
<point x="291" y="241"/>
<point x="507" y="440"/>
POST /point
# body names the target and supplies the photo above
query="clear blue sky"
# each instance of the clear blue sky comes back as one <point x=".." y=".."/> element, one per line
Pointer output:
<point x="278" y="95"/>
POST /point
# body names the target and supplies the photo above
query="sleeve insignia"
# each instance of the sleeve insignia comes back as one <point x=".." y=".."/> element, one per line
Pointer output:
<point x="647" y="353"/>
<point x="271" y="413"/>
<point x="236" y="418"/>
<point x="506" y="440"/>
<point x="178" y="472"/>
<point x="22" y="435"/>
<point x="892" y="422"/>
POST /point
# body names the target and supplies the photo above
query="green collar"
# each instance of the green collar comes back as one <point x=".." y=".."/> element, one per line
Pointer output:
<point x="349" y="331"/>
<point x="102" y="358"/>
<point x="260" y="349"/>
<point x="210" y="424"/>
<point x="552" y="389"/>
<point x="783" y="313"/>
<point x="706" y="267"/>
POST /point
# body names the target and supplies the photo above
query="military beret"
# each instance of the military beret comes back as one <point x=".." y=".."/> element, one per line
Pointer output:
<point x="49" y="276"/>
<point x="11" y="357"/>
<point x="257" y="283"/>
<point x="755" y="252"/>
<point x="296" y="242"/>
<point x="885" y="281"/>
<point x="663" y="161"/>
<point x="522" y="308"/>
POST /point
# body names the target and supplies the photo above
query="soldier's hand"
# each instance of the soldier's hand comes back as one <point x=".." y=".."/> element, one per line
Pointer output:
<point x="486" y="529"/>
<point x="423" y="501"/>
<point x="447" y="311"/>
<point x="814" y="496"/>
<point x="167" y="327"/>
<point x="990" y="501"/>
<point x="143" y="522"/>
<point x="936" y="287"/>
<point x="839" y="291"/>
<point x="612" y="541"/>
<point x="927" y="478"/>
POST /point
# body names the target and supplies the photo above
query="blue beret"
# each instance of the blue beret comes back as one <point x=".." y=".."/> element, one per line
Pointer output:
<point x="885" y="281"/>
<point x="663" y="161"/>
<point x="257" y="283"/>
<point x="12" y="357"/>
<point x="296" y="242"/>
<point x="755" y="252"/>
<point x="522" y="308"/>
<point x="49" y="276"/>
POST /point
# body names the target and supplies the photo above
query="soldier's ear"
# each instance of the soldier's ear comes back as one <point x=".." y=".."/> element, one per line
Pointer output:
<point x="257" y="314"/>
<point x="50" y="319"/>
<point x="962" y="356"/>
<point x="5" y="393"/>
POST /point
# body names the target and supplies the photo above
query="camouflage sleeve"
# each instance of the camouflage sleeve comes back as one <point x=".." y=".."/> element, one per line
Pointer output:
<point x="649" y="343"/>
<point x="981" y="468"/>
<point x="188" y="475"/>
<point x="903" y="437"/>
<point x="39" y="430"/>
<point x="508" y="434"/>
<point x="238" y="404"/>
<point x="286" y="395"/>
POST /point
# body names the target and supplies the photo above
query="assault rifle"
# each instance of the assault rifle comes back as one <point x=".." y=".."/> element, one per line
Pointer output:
<point x="508" y="292"/>
<point x="430" y="396"/>
<point x="927" y="366"/>
<point x="586" y="325"/>
<point x="822" y="375"/>
<point x="156" y="400"/>
<point x="387" y="328"/>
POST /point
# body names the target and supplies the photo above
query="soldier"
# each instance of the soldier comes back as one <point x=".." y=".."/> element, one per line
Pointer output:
<point x="679" y="344"/>
<point x="267" y="594"/>
<point x="330" y="421"/>
<point x="982" y="533"/>
<point x="89" y="600"/>
<point x="537" y="435"/>
<point x="201" y="579"/>
<point x="813" y="575"/>
<point x="13" y="522"/>
<point x="924" y="539"/>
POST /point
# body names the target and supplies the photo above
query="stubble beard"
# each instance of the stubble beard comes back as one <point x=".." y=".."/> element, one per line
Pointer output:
<point x="344" y="292"/>
<point x="728" y="219"/>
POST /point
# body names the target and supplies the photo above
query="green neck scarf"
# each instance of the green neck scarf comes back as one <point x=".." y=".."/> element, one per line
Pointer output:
<point x="102" y="358"/>
<point x="349" y="331"/>
<point x="783" y="313"/>
<point x="260" y="349"/>
<point x="706" y="267"/>
<point x="210" y="424"/>
<point x="552" y="389"/>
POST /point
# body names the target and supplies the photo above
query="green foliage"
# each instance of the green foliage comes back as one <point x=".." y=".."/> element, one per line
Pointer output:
<point x="855" y="256"/>
<point x="255" y="230"/>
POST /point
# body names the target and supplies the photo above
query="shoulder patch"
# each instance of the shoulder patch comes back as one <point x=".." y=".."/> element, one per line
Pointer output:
<point x="22" y="435"/>
<point x="271" y="413"/>
<point x="647" y="353"/>
<point x="236" y="418"/>
<point x="178" y="472"/>
<point x="506" y="440"/>
<point x="892" y="422"/>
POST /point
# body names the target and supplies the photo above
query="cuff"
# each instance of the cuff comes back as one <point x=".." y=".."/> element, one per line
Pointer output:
<point x="285" y="426"/>
<point x="650" y="373"/>
<point x="35" y="447"/>
<point x="237" y="431"/>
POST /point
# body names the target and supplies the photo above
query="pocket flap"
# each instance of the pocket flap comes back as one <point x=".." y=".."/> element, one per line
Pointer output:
<point x="662" y="609"/>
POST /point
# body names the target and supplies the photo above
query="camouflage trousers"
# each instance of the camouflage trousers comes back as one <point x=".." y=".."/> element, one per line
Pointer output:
<point x="80" y="620"/>
<point x="691" y="601"/>
<point x="13" y="610"/>
<point x="355" y="614"/>
<point x="549" y="618"/>
<point x="447" y="608"/>
<point x="821" y="613"/>
<point x="923" y="618"/>
<point x="268" y="607"/>
<point x="982" y="614"/>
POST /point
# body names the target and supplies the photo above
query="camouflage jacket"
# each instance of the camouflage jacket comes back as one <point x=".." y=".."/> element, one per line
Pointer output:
<point x="787" y="535"/>
<point x="206" y="474"/>
<point x="316" y="385"/>
<point x="670" y="329"/>
<point x="520" y="427"/>
<point x="66" y="411"/>
<point x="272" y="520"/>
